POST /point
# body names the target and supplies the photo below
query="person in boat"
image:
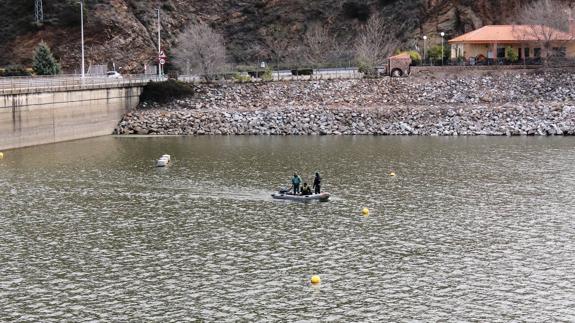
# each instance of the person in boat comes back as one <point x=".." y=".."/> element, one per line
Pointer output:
<point x="317" y="183"/>
<point x="305" y="190"/>
<point x="295" y="182"/>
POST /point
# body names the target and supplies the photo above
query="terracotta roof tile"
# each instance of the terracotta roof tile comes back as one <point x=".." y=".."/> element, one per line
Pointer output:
<point x="511" y="33"/>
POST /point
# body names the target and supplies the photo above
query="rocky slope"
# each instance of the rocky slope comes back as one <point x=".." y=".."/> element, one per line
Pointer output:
<point x="502" y="104"/>
<point x="124" y="31"/>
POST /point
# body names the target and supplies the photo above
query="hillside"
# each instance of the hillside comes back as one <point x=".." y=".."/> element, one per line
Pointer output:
<point x="124" y="31"/>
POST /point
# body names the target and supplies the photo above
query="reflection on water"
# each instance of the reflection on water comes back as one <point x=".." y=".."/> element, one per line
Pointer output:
<point x="470" y="229"/>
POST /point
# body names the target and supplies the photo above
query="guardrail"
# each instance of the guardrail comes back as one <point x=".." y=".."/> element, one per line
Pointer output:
<point x="277" y="75"/>
<point x="20" y="84"/>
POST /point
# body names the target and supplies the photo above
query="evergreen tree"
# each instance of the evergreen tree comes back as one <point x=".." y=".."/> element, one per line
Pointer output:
<point x="44" y="61"/>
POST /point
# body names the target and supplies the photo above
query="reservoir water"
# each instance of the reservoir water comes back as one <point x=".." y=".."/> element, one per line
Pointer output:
<point x="470" y="229"/>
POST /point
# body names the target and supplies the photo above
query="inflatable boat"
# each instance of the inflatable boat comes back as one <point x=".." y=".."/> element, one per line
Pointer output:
<point x="322" y="197"/>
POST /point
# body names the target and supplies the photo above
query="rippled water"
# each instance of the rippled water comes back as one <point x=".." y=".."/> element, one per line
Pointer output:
<point x="474" y="229"/>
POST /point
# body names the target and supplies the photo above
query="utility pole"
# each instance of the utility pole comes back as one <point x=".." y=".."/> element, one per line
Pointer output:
<point x="82" y="27"/>
<point x="39" y="11"/>
<point x="442" y="47"/>
<point x="159" y="45"/>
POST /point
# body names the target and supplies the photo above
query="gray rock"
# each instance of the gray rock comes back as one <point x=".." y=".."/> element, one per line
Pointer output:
<point x="353" y="107"/>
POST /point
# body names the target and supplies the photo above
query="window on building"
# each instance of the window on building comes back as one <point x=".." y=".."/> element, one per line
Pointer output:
<point x="500" y="52"/>
<point x="527" y="52"/>
<point x="559" y="51"/>
<point x="537" y="52"/>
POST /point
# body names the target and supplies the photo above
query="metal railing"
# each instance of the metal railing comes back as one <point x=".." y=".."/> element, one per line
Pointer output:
<point x="285" y="74"/>
<point x="20" y="84"/>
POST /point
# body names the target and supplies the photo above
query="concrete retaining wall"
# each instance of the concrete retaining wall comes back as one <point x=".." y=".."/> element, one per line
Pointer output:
<point x="28" y="119"/>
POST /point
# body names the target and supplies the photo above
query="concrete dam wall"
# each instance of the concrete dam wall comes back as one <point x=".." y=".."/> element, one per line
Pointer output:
<point x="41" y="117"/>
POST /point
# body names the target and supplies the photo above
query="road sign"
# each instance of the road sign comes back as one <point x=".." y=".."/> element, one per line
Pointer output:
<point x="162" y="61"/>
<point x="162" y="55"/>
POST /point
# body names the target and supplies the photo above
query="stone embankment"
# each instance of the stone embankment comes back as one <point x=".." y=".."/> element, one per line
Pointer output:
<point x="512" y="104"/>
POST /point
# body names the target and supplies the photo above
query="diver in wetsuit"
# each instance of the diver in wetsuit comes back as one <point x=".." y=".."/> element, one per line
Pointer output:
<point x="317" y="183"/>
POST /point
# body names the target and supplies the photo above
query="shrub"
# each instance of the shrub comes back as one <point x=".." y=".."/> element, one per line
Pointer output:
<point x="15" y="70"/>
<point x="511" y="54"/>
<point x="166" y="91"/>
<point x="242" y="77"/>
<point x="267" y="75"/>
<point x="365" y="68"/>
<point x="414" y="55"/>
<point x="435" y="52"/>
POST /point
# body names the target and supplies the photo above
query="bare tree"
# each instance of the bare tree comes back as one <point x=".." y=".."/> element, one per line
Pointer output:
<point x="373" y="44"/>
<point x="278" y="49"/>
<point x="202" y="49"/>
<point x="318" y="45"/>
<point x="545" y="22"/>
<point x="276" y="40"/>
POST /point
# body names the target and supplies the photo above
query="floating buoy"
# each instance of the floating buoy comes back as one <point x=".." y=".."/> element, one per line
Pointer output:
<point x="1" y="155"/>
<point x="365" y="211"/>
<point x="315" y="279"/>
<point x="162" y="162"/>
<point x="392" y="174"/>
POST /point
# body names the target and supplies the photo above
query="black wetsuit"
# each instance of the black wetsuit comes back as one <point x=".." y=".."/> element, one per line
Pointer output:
<point x="317" y="184"/>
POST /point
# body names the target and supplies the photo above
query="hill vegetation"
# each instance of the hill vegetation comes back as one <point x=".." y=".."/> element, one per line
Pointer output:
<point x="123" y="32"/>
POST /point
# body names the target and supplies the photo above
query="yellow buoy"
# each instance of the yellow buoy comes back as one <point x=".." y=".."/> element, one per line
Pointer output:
<point x="392" y="174"/>
<point x="315" y="279"/>
<point x="365" y="211"/>
<point x="1" y="155"/>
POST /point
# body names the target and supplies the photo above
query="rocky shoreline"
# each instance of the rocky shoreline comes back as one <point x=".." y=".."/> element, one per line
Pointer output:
<point x="498" y="105"/>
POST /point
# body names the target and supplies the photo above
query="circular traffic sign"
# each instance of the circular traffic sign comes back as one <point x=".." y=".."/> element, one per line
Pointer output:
<point x="162" y="61"/>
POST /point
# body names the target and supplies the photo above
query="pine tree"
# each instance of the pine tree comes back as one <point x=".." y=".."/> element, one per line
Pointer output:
<point x="44" y="61"/>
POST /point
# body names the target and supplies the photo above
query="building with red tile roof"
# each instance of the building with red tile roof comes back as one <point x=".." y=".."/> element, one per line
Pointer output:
<point x="530" y="41"/>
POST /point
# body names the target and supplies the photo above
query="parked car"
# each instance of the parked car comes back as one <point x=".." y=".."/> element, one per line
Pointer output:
<point x="114" y="75"/>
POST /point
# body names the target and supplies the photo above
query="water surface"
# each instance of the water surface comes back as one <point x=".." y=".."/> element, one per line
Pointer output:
<point x="470" y="229"/>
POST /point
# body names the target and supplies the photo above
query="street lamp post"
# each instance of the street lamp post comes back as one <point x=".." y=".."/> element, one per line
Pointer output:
<point x="82" y="37"/>
<point x="424" y="49"/>
<point x="159" y="46"/>
<point x="442" y="48"/>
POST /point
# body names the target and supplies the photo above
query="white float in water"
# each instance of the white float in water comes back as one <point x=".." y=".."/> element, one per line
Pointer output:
<point x="163" y="161"/>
